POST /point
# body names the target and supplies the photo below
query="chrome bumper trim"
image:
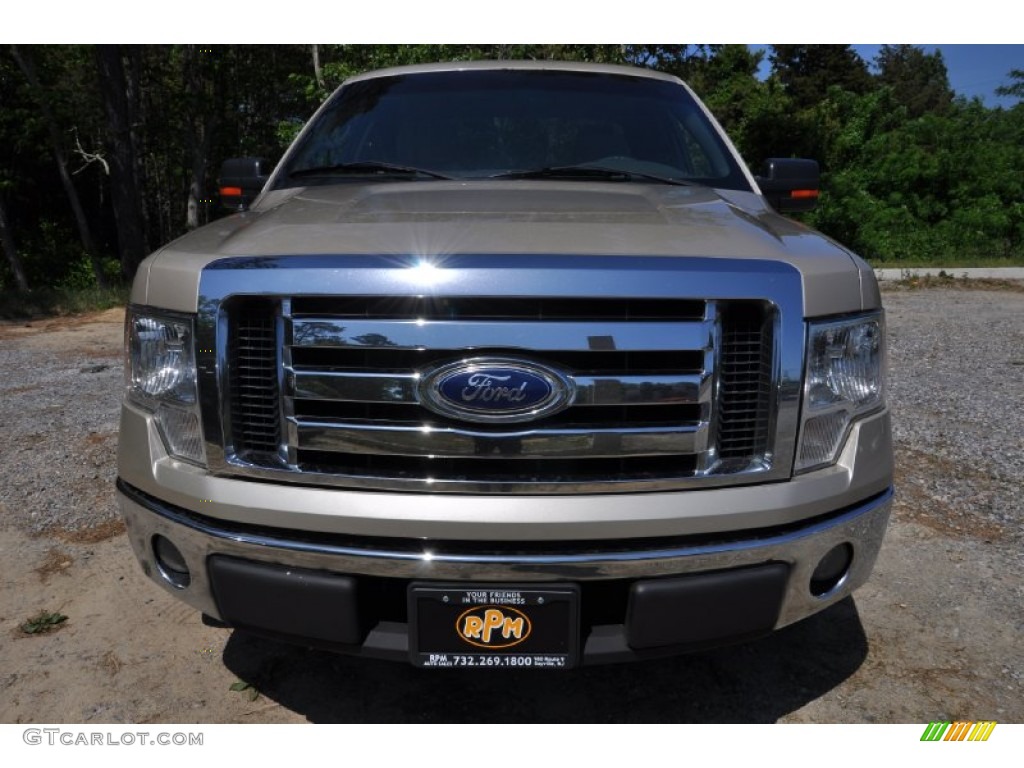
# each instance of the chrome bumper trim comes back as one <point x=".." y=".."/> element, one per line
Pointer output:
<point x="802" y="547"/>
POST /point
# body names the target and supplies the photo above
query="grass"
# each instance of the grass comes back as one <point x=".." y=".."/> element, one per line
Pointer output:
<point x="45" y="621"/>
<point x="49" y="302"/>
<point x="250" y="690"/>
<point x="949" y="279"/>
<point x="945" y="263"/>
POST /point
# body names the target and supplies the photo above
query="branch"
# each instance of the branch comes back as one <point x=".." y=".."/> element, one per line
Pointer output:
<point x="88" y="157"/>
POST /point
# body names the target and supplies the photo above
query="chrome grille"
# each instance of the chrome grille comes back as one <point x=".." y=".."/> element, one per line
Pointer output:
<point x="744" y="404"/>
<point x="253" y="361"/>
<point x="646" y="374"/>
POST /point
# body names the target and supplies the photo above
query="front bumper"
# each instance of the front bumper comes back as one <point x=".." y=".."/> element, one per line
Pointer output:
<point x="365" y="578"/>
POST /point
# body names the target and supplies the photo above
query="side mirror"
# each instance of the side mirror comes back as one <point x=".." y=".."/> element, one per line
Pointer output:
<point x="241" y="181"/>
<point x="790" y="185"/>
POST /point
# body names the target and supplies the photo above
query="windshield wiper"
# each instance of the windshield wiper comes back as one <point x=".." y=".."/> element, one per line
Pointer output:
<point x="591" y="172"/>
<point x="366" y="167"/>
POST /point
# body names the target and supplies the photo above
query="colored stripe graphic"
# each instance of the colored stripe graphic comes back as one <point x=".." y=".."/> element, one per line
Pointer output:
<point x="982" y="730"/>
<point x="958" y="731"/>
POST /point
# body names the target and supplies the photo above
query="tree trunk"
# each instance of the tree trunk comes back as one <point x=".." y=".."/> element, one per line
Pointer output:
<point x="118" y="101"/>
<point x="317" y="70"/>
<point x="24" y="60"/>
<point x="7" y="241"/>
<point x="201" y="123"/>
<point x="133" y="78"/>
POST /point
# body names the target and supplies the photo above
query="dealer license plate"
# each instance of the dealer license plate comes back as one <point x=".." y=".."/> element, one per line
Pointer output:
<point x="494" y="626"/>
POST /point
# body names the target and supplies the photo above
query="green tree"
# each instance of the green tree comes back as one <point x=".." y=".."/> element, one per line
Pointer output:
<point x="808" y="71"/>
<point x="919" y="80"/>
<point x="10" y="251"/>
<point x="12" y="118"/>
<point x="48" y="100"/>
<point x="940" y="187"/>
<point x="1016" y="88"/>
<point x="119" y="94"/>
<point x="908" y="173"/>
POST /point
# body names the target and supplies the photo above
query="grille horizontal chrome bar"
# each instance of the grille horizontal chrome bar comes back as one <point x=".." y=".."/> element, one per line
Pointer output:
<point x="456" y="335"/>
<point x="391" y="387"/>
<point x="519" y="309"/>
<point x="450" y="442"/>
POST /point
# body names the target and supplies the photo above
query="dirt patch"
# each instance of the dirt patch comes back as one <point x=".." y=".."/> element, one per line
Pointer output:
<point x="95" y="336"/>
<point x="100" y="438"/>
<point x="56" y="561"/>
<point x="12" y="329"/>
<point x="919" y="498"/>
<point x="102" y="532"/>
<point x="92" y="353"/>
<point x="111" y="663"/>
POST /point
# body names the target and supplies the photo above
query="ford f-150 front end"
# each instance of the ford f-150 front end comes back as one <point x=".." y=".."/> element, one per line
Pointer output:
<point x="509" y="364"/>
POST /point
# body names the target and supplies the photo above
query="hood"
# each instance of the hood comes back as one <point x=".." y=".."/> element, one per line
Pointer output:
<point x="430" y="218"/>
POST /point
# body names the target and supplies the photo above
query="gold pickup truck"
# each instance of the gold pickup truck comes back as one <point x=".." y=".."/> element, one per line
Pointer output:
<point x="507" y="364"/>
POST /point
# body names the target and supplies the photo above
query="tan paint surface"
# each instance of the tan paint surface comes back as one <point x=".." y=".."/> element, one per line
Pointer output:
<point x="438" y="218"/>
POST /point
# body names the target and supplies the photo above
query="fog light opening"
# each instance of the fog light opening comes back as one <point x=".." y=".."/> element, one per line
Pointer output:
<point x="832" y="570"/>
<point x="171" y="563"/>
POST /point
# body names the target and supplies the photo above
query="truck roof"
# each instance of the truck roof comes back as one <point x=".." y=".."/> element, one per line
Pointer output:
<point x="545" y="64"/>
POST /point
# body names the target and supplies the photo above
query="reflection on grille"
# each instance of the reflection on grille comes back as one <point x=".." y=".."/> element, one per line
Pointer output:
<point x="646" y="374"/>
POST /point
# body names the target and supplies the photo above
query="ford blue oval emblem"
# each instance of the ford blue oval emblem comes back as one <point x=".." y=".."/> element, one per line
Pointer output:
<point x="496" y="390"/>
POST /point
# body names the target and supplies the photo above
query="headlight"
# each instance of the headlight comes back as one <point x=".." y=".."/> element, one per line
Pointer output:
<point x="161" y="359"/>
<point x="843" y="381"/>
<point x="161" y="377"/>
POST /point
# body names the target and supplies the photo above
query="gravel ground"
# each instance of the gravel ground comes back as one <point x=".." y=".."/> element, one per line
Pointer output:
<point x="59" y="404"/>
<point x="956" y="388"/>
<point x="935" y="634"/>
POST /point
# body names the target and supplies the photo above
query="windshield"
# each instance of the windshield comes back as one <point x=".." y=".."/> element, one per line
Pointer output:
<point x="493" y="123"/>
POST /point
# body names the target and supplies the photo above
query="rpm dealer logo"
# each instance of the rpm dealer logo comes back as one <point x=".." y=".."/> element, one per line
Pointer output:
<point x="493" y="626"/>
